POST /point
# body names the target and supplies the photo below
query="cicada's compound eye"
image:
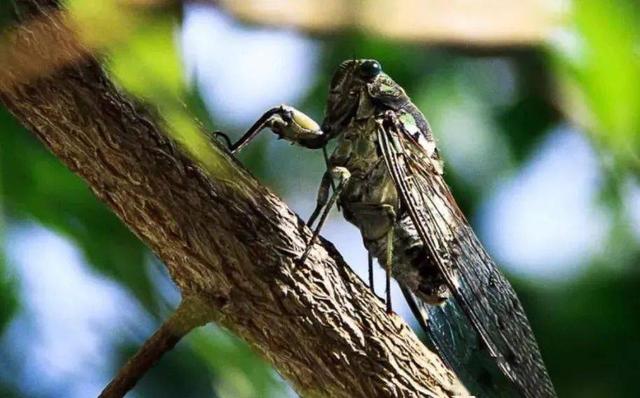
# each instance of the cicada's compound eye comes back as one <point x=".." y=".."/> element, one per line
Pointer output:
<point x="369" y="69"/>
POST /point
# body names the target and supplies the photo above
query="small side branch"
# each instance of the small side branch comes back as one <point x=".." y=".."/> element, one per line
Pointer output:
<point x="187" y="317"/>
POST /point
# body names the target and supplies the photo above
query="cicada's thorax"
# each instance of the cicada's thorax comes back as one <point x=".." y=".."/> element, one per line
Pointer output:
<point x="369" y="199"/>
<point x="370" y="202"/>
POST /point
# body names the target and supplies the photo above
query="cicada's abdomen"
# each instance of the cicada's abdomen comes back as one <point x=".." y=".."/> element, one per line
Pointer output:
<point x="409" y="266"/>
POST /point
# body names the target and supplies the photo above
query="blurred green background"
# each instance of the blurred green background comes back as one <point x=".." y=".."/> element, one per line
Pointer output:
<point x="540" y="140"/>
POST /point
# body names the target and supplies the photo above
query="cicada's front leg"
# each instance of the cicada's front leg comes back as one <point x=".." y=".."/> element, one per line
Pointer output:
<point x="294" y="126"/>
<point x="287" y="123"/>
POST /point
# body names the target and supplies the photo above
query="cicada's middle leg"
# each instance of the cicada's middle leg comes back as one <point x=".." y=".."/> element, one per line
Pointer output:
<point x="341" y="175"/>
<point x="322" y="198"/>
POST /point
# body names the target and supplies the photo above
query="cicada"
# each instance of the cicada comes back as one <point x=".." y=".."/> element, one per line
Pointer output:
<point x="386" y="175"/>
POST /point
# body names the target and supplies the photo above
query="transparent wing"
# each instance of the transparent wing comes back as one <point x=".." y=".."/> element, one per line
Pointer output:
<point x="451" y="335"/>
<point x="481" y="295"/>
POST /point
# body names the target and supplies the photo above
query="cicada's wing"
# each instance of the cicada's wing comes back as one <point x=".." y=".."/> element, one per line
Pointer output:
<point x="450" y="333"/>
<point x="480" y="293"/>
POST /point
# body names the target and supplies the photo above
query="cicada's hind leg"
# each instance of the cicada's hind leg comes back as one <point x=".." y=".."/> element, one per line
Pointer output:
<point x="388" y="262"/>
<point x="370" y="258"/>
<point x="387" y="255"/>
<point x="342" y="176"/>
<point x="378" y="219"/>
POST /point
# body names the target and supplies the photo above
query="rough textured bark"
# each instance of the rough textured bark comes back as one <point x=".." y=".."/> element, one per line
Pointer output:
<point x="230" y="242"/>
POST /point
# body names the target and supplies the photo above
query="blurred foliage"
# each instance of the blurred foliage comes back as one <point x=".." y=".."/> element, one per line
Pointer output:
<point x="148" y="65"/>
<point x="512" y="98"/>
<point x="598" y="61"/>
<point x="6" y="13"/>
<point x="241" y="372"/>
<point x="8" y="297"/>
<point x="8" y="289"/>
<point x="180" y="373"/>
<point x="30" y="174"/>
<point x="589" y="333"/>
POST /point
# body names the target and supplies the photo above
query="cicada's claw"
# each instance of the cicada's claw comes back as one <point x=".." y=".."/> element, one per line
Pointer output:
<point x="221" y="137"/>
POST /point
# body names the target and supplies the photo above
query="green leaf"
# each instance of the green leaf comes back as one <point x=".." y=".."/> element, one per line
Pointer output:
<point x="599" y="68"/>
<point x="148" y="64"/>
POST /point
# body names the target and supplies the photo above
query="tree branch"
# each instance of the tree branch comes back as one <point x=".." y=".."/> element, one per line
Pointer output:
<point x="229" y="241"/>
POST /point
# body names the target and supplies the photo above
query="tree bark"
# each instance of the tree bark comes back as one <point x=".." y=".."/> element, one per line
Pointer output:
<point x="228" y="241"/>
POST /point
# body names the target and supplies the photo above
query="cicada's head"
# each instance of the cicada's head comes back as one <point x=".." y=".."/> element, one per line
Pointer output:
<point x="349" y="82"/>
<point x="356" y="86"/>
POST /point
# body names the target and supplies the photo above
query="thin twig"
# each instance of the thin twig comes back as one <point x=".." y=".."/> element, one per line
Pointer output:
<point x="188" y="316"/>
